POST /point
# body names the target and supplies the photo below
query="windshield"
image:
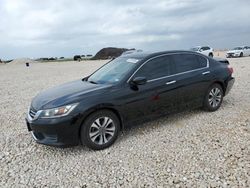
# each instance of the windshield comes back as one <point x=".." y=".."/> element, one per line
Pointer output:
<point x="114" y="71"/>
<point x="195" y="49"/>
<point x="238" y="48"/>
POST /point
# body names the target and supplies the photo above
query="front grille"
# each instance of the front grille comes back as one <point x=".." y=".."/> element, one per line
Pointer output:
<point x="32" y="113"/>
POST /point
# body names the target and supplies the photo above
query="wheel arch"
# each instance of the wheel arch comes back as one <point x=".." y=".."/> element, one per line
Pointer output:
<point x="98" y="108"/>
<point x="222" y="84"/>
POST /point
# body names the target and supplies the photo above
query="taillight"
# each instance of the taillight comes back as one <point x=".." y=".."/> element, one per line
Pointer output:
<point x="230" y="69"/>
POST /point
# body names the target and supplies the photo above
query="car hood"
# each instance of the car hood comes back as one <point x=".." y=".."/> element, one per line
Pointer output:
<point x="64" y="94"/>
<point x="234" y="51"/>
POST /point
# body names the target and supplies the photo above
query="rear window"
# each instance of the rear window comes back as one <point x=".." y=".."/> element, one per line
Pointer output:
<point x="188" y="62"/>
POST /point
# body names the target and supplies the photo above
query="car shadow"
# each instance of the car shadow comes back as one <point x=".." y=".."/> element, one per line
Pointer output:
<point x="157" y="123"/>
<point x="128" y="132"/>
<point x="136" y="129"/>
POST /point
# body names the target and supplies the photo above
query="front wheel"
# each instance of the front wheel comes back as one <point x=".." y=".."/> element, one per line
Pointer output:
<point x="211" y="55"/>
<point x="241" y="54"/>
<point x="100" y="130"/>
<point x="213" y="99"/>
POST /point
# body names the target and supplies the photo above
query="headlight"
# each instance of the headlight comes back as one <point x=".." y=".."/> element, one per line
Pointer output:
<point x="58" y="112"/>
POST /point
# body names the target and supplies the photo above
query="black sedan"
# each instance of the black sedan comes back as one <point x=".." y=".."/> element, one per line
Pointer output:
<point x="130" y="89"/>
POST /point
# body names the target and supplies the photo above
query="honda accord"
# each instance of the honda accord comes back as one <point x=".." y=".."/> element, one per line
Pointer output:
<point x="128" y="90"/>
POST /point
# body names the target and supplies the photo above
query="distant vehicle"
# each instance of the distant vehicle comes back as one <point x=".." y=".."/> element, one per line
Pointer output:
<point x="77" y="58"/>
<point x="240" y="51"/>
<point x="130" y="89"/>
<point x="52" y="59"/>
<point x="44" y="59"/>
<point x="205" y="50"/>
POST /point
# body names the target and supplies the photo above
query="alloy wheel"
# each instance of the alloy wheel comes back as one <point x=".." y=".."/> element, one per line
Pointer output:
<point x="214" y="97"/>
<point x="102" y="130"/>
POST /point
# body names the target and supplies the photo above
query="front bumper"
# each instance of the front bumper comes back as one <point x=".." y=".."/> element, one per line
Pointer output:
<point x="230" y="84"/>
<point x="60" y="132"/>
<point x="232" y="55"/>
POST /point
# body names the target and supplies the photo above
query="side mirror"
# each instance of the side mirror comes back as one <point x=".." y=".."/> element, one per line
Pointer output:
<point x="139" y="81"/>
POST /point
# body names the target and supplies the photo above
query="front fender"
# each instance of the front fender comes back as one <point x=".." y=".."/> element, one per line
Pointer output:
<point x="86" y="112"/>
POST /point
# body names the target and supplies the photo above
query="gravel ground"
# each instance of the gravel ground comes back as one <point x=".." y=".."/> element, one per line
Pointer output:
<point x="190" y="149"/>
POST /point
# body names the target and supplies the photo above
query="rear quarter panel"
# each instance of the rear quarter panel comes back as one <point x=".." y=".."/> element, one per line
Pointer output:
<point x="220" y="73"/>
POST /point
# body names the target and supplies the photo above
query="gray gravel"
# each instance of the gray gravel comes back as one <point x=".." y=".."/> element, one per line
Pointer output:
<point x="190" y="149"/>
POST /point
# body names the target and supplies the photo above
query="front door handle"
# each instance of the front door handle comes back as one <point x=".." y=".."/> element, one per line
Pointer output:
<point x="171" y="82"/>
<point x="207" y="72"/>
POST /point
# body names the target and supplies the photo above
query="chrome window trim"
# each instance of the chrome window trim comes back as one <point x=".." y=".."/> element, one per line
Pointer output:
<point x="155" y="79"/>
<point x="176" y="74"/>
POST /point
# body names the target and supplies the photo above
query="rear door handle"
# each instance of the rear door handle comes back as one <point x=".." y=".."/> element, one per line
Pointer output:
<point x="171" y="82"/>
<point x="207" y="72"/>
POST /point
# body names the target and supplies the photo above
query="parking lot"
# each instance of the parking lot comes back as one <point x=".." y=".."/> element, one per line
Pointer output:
<point x="189" y="149"/>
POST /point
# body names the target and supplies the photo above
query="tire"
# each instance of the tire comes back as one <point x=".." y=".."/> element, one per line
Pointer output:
<point x="100" y="130"/>
<point x="213" y="98"/>
<point x="211" y="55"/>
<point x="241" y="54"/>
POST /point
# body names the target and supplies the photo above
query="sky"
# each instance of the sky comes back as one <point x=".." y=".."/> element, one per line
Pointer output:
<point x="49" y="28"/>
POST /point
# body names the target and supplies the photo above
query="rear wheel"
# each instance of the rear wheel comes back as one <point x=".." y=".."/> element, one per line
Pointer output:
<point x="100" y="130"/>
<point x="214" y="98"/>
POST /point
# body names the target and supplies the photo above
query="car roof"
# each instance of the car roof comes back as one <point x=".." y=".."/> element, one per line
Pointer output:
<point x="202" y="46"/>
<point x="147" y="55"/>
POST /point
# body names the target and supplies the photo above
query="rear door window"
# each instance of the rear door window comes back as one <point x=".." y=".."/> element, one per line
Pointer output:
<point x="188" y="62"/>
<point x="202" y="61"/>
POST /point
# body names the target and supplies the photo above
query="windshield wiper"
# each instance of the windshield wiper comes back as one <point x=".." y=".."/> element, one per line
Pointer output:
<point x="92" y="82"/>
